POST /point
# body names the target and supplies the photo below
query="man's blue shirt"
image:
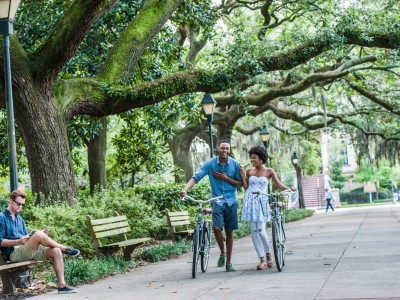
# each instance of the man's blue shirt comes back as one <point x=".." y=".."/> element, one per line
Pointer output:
<point x="220" y="187"/>
<point x="11" y="229"/>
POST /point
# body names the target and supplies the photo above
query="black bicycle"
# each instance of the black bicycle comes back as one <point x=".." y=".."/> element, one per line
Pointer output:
<point x="278" y="224"/>
<point x="202" y="234"/>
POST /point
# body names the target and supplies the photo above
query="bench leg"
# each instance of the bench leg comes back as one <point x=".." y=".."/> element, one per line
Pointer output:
<point x="9" y="278"/>
<point x="128" y="251"/>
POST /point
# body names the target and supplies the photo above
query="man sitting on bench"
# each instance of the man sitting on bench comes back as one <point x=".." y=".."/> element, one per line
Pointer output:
<point x="18" y="246"/>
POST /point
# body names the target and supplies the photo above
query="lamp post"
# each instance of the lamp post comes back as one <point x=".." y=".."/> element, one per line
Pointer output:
<point x="208" y="103"/>
<point x="8" y="9"/>
<point x="295" y="162"/>
<point x="265" y="138"/>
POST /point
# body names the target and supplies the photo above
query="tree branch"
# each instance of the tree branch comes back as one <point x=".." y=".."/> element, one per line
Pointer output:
<point x="66" y="37"/>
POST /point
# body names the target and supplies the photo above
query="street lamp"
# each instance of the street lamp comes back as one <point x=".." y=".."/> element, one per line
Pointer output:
<point x="8" y="9"/>
<point x="295" y="162"/>
<point x="265" y="138"/>
<point x="208" y="103"/>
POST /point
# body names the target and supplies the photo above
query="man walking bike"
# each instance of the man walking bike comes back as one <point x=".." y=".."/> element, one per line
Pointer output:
<point x="224" y="174"/>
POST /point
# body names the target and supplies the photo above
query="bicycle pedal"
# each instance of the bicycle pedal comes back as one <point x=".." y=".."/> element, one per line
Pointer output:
<point x="289" y="252"/>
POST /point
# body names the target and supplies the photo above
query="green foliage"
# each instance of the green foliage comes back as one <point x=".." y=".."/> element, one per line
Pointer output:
<point x="383" y="175"/>
<point x="292" y="215"/>
<point x="78" y="271"/>
<point x="164" y="251"/>
<point x="336" y="174"/>
<point x="68" y="225"/>
<point x="167" y="195"/>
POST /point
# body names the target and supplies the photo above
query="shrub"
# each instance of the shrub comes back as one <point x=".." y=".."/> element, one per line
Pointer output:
<point x="165" y="196"/>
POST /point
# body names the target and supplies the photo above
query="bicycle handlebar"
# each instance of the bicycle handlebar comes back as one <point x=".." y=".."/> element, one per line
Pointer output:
<point x="187" y="197"/>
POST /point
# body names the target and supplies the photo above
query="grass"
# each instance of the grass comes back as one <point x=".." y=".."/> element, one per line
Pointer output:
<point x="374" y="203"/>
<point x="79" y="271"/>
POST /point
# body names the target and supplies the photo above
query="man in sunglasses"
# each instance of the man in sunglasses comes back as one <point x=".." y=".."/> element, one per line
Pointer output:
<point x="18" y="246"/>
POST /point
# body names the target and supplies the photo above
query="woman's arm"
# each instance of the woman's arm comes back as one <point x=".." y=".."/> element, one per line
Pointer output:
<point x="245" y="177"/>
<point x="277" y="181"/>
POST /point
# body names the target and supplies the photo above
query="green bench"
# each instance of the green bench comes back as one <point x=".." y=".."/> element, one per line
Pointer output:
<point x="118" y="227"/>
<point x="178" y="224"/>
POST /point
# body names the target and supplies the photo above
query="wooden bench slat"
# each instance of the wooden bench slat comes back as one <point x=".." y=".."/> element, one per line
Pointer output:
<point x="107" y="233"/>
<point x="186" y="231"/>
<point x="180" y="223"/>
<point x="108" y="220"/>
<point x="127" y="243"/>
<point x="16" y="265"/>
<point x="179" y="218"/>
<point x="178" y="213"/>
<point x="116" y="225"/>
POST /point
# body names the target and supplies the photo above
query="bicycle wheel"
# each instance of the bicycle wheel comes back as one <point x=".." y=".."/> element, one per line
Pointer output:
<point x="276" y="242"/>
<point x="206" y="245"/>
<point x="283" y="241"/>
<point x="196" y="249"/>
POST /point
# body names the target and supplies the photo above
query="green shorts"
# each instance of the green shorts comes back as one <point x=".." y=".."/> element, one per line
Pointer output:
<point x="25" y="252"/>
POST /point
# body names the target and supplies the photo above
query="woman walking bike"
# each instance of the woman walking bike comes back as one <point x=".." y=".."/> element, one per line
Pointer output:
<point x="255" y="206"/>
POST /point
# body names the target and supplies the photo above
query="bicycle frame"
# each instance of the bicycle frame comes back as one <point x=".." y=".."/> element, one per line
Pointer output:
<point x="278" y="226"/>
<point x="202" y="235"/>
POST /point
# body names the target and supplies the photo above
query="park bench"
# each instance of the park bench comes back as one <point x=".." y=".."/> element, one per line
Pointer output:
<point x="113" y="227"/>
<point x="178" y="224"/>
<point x="10" y="272"/>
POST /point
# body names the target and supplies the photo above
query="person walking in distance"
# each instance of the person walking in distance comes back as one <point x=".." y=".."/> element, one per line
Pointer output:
<point x="328" y="198"/>
<point x="255" y="209"/>
<point x="224" y="175"/>
<point x="18" y="246"/>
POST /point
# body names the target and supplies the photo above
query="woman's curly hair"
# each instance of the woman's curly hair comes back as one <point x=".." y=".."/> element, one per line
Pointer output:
<point x="260" y="151"/>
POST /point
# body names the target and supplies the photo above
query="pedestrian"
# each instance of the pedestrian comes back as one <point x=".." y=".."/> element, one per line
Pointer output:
<point x="328" y="198"/>
<point x="18" y="246"/>
<point x="255" y="208"/>
<point x="224" y="174"/>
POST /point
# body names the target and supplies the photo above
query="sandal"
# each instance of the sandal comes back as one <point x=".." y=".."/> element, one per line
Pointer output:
<point x="263" y="265"/>
<point x="269" y="260"/>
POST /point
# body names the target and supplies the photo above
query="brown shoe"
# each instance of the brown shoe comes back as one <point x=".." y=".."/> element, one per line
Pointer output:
<point x="262" y="265"/>
<point x="269" y="260"/>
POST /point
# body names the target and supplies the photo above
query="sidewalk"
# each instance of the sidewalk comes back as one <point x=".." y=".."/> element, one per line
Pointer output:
<point x="352" y="253"/>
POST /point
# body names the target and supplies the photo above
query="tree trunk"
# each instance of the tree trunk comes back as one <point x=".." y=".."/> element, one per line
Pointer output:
<point x="180" y="149"/>
<point x="300" y="187"/>
<point x="45" y="137"/>
<point x="97" y="157"/>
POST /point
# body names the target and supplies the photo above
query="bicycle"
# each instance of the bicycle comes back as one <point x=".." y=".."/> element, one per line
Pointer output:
<point x="202" y="234"/>
<point x="278" y="225"/>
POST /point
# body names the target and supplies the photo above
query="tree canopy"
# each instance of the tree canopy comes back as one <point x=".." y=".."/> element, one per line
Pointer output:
<point x="313" y="63"/>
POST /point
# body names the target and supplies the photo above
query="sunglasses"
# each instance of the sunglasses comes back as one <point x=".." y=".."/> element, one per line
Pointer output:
<point x="18" y="203"/>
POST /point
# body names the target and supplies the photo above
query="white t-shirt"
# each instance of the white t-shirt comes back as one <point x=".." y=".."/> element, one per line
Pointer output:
<point x="328" y="195"/>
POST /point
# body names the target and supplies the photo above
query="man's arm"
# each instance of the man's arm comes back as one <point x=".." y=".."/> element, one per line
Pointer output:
<point x="188" y="186"/>
<point x="6" y="242"/>
<point x="222" y="176"/>
<point x="13" y="243"/>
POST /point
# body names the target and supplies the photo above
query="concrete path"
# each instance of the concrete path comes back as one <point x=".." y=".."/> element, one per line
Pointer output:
<point x="353" y="253"/>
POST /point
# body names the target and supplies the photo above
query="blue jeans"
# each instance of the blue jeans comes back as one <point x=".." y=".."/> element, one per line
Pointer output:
<point x="328" y="204"/>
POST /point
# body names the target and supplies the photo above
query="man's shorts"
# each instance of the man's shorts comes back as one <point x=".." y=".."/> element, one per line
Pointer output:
<point x="225" y="216"/>
<point x="25" y="252"/>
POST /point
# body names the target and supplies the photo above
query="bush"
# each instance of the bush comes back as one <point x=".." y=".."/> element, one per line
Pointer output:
<point x="164" y="251"/>
<point x="167" y="195"/>
<point x="68" y="225"/>
<point x="361" y="197"/>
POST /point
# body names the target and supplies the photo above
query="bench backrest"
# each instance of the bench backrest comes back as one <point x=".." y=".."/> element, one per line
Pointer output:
<point x="178" y="219"/>
<point x="107" y="227"/>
